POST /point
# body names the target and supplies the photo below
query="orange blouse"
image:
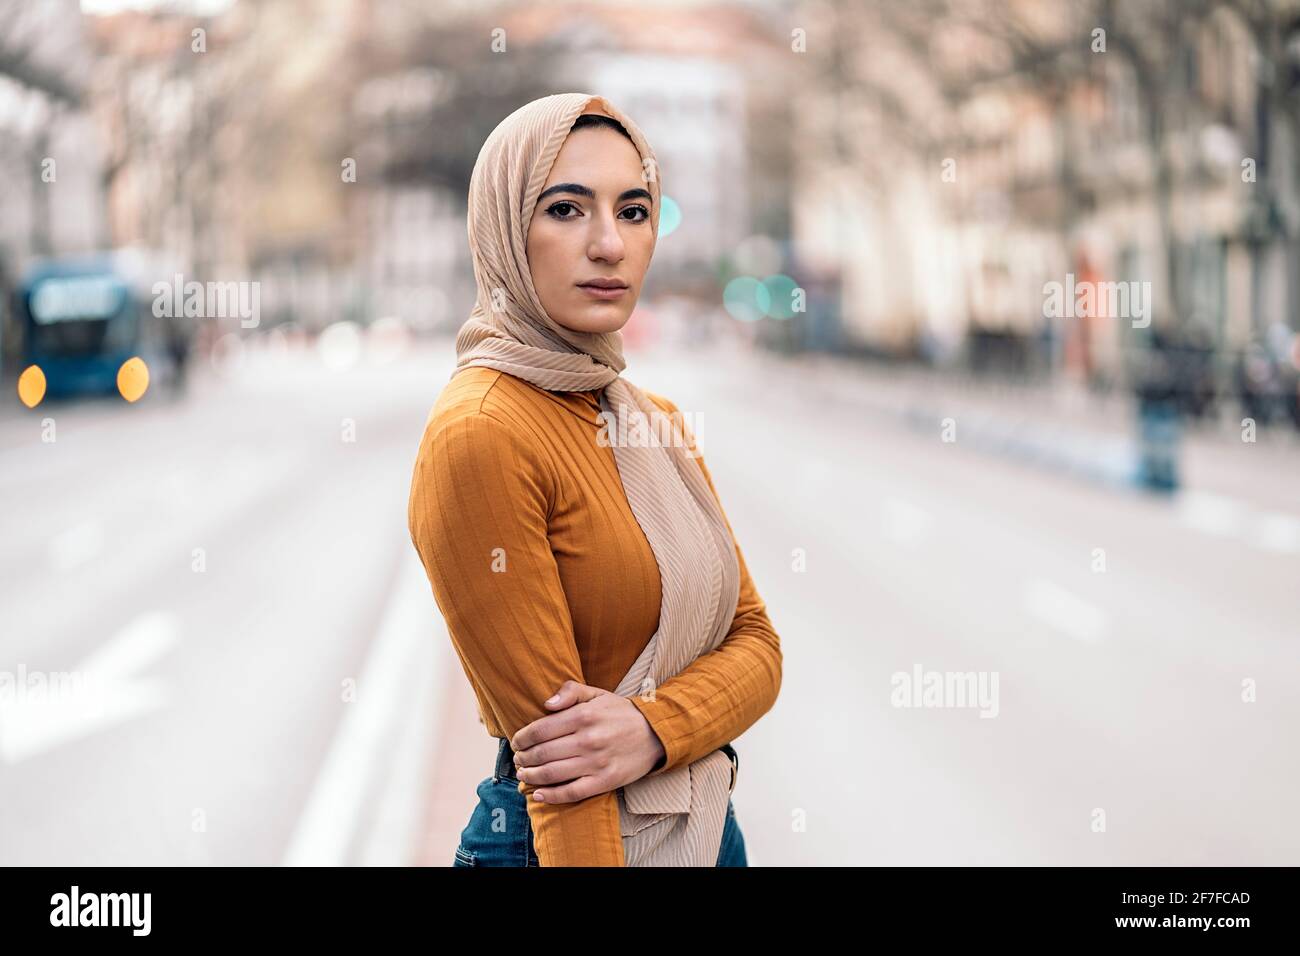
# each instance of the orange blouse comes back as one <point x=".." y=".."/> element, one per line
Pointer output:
<point x="544" y="575"/>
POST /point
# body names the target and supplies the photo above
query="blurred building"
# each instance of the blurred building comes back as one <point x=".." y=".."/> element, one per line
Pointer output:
<point x="970" y="159"/>
<point x="415" y="257"/>
<point x="52" y="198"/>
<point x="224" y="147"/>
<point x="689" y="77"/>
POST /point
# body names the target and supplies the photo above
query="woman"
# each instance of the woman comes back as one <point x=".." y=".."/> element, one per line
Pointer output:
<point x="590" y="581"/>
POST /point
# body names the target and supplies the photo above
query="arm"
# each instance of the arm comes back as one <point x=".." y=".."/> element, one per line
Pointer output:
<point x="723" y="693"/>
<point x="478" y="512"/>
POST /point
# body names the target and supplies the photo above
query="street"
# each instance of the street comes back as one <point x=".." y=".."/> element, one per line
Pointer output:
<point x="273" y="685"/>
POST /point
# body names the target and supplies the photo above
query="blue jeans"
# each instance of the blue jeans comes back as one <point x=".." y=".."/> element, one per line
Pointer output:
<point x="499" y="832"/>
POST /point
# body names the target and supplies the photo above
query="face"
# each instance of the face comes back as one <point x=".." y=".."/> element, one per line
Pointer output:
<point x="592" y="224"/>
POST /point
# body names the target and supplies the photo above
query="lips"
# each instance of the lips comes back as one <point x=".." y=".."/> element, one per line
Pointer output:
<point x="604" y="284"/>
<point x="604" y="295"/>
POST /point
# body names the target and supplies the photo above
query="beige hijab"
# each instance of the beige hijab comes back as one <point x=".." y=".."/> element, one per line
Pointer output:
<point x="676" y="817"/>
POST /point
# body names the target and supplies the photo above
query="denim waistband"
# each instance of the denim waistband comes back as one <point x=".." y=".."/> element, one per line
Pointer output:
<point x="505" y="768"/>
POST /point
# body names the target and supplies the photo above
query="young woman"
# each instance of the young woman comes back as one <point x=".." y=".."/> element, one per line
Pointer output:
<point x="590" y="581"/>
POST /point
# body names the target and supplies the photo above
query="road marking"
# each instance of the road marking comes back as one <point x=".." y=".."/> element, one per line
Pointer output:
<point x="76" y="546"/>
<point x="38" y="714"/>
<point x="1211" y="514"/>
<point x="394" y="837"/>
<point x="397" y="670"/>
<point x="1065" y="611"/>
<point x="1222" y="516"/>
<point x="1275" y="531"/>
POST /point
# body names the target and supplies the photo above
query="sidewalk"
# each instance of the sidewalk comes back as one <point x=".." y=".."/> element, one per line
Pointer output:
<point x="1059" y="427"/>
<point x="462" y="755"/>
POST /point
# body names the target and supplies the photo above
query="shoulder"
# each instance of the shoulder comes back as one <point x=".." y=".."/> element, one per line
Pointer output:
<point x="477" y="420"/>
<point x="485" y="398"/>
<point x="478" y="390"/>
<point x="466" y="394"/>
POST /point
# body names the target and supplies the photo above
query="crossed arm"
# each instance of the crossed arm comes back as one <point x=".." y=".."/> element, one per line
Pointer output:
<point x="479" y="486"/>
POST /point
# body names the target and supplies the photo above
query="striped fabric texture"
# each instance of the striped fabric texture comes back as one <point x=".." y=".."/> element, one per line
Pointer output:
<point x="673" y="818"/>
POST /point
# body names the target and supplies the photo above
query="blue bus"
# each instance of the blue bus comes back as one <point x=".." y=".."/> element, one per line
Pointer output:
<point x="82" y="318"/>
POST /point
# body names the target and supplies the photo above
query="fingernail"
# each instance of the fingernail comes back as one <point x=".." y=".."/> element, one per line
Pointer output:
<point x="537" y="795"/>
<point x="553" y="700"/>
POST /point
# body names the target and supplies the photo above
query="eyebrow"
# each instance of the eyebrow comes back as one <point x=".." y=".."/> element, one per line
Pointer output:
<point x="580" y="190"/>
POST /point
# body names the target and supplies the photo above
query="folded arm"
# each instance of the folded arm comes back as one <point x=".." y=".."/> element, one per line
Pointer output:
<point x="480" y="498"/>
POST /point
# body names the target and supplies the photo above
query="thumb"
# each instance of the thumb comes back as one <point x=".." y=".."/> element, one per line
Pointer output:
<point x="571" y="692"/>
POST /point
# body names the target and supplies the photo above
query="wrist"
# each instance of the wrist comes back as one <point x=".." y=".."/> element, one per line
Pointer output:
<point x="658" y="753"/>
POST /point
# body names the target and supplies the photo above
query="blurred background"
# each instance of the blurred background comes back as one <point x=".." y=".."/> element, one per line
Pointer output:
<point x="987" y="313"/>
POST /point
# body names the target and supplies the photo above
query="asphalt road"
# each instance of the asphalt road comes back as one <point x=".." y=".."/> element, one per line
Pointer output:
<point x="234" y="577"/>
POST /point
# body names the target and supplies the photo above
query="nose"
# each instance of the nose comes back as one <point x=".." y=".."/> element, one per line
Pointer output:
<point x="606" y="242"/>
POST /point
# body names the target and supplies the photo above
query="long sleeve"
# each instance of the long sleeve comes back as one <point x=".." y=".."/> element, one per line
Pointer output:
<point x="479" y="505"/>
<point x="724" y="692"/>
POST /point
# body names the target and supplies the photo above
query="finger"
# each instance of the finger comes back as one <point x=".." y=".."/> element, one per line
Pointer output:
<point x="585" y="692"/>
<point x="573" y="692"/>
<point x="555" y="772"/>
<point x="563" y="696"/>
<point x="555" y="749"/>
<point x="561" y="699"/>
<point x="543" y="729"/>
<point x="570" y="792"/>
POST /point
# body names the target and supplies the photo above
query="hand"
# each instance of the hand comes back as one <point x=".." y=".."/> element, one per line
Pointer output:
<point x="598" y="741"/>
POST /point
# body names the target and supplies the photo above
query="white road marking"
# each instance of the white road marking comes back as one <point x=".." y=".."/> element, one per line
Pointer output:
<point x="1065" y="611"/>
<point x="1223" y="516"/>
<point x="1275" y="531"/>
<point x="397" y="670"/>
<point x="1211" y="514"/>
<point x="45" y="710"/>
<point x="76" y="546"/>
<point x="394" y="836"/>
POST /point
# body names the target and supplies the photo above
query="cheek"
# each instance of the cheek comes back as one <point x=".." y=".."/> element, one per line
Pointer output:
<point x="640" y="252"/>
<point x="546" y="256"/>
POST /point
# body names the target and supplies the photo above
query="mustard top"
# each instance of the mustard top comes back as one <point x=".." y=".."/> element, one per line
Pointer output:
<point x="543" y="575"/>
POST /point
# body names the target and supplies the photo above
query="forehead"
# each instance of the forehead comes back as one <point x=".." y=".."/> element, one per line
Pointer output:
<point x="593" y="156"/>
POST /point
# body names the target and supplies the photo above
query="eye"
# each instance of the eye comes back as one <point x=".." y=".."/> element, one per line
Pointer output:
<point x="553" y="210"/>
<point x="645" y="213"/>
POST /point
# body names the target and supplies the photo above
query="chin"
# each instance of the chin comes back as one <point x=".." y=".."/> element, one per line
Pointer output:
<point x="595" y="320"/>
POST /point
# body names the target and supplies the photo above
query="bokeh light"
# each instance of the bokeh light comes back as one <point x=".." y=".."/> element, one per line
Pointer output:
<point x="746" y="299"/>
<point x="31" y="386"/>
<point x="781" y="290"/>
<point x="133" y="379"/>
<point x="670" y="215"/>
<point x="339" y="345"/>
